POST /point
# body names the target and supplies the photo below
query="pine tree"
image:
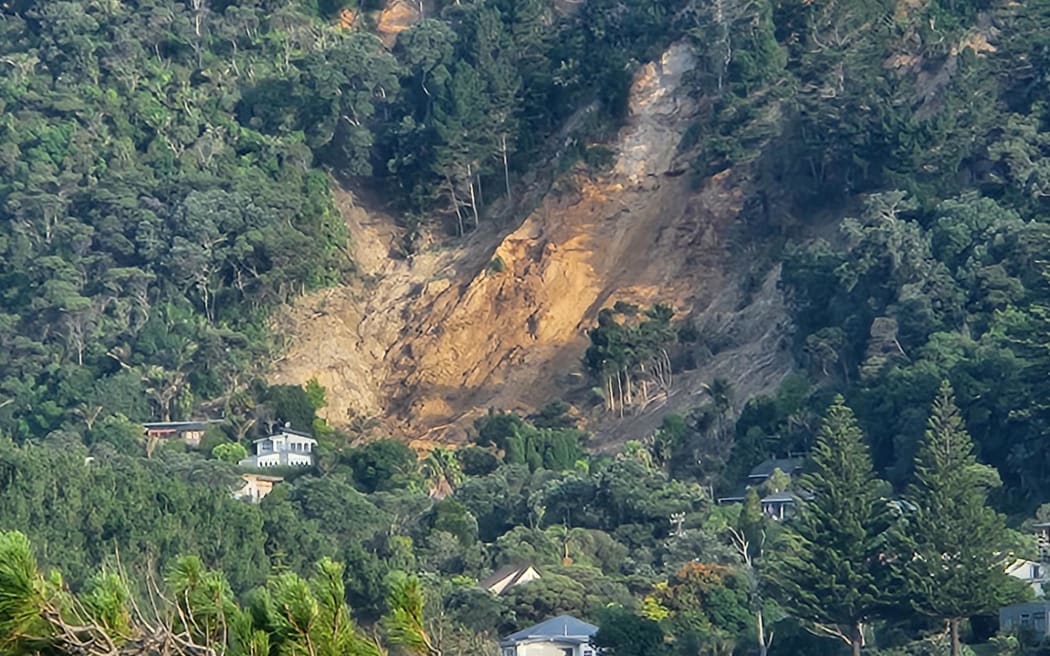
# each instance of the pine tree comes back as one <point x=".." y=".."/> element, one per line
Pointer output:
<point x="461" y="120"/>
<point x="953" y="547"/>
<point x="827" y="570"/>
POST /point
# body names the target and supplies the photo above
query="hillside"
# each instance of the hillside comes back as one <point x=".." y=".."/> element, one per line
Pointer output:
<point x="726" y="319"/>
<point x="428" y="345"/>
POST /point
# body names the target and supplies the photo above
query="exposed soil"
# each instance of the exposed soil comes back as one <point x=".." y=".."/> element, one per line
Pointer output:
<point x="500" y="320"/>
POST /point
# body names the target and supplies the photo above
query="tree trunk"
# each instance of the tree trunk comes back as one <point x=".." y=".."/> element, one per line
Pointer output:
<point x="857" y="638"/>
<point x="760" y="632"/>
<point x="506" y="170"/>
<point x="953" y="629"/>
<point x="619" y="389"/>
<point x="455" y="204"/>
<point x="473" y="199"/>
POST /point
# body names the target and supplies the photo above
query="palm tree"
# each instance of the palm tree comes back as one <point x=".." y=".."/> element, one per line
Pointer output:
<point x="405" y="625"/>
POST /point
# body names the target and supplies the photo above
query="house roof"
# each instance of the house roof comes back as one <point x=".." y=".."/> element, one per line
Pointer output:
<point x="1042" y="604"/>
<point x="262" y="477"/>
<point x="181" y="425"/>
<point x="288" y="431"/>
<point x="515" y="571"/>
<point x="293" y="431"/>
<point x="739" y="494"/>
<point x="788" y="495"/>
<point x="786" y="465"/>
<point x="563" y="628"/>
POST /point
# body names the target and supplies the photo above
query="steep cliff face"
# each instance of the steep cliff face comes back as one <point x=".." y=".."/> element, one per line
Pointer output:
<point x="501" y="320"/>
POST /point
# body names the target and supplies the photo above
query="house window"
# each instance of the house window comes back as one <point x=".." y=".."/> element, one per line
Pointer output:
<point x="1039" y="621"/>
<point x="1026" y="620"/>
<point x="508" y="651"/>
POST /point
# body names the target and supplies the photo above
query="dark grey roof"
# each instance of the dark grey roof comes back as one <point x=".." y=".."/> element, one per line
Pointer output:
<point x="1041" y="604"/>
<point x="737" y="495"/>
<point x="788" y="495"/>
<point x="563" y="628"/>
<point x="786" y="465"/>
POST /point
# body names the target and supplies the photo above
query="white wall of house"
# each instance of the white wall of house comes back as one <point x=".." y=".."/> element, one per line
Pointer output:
<point x="281" y="459"/>
<point x="1031" y="572"/>
<point x="548" y="648"/>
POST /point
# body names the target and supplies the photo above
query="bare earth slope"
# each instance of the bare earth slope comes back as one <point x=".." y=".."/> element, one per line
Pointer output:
<point x="428" y="345"/>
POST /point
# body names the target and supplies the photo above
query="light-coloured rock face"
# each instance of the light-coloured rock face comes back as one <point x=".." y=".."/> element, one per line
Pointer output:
<point x="431" y="344"/>
<point x="659" y="104"/>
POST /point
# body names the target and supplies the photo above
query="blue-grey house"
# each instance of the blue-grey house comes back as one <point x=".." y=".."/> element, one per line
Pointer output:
<point x="560" y="636"/>
<point x="1029" y="617"/>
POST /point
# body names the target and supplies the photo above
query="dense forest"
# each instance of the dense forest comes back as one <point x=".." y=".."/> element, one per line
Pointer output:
<point x="650" y="557"/>
<point x="164" y="176"/>
<point x="165" y="185"/>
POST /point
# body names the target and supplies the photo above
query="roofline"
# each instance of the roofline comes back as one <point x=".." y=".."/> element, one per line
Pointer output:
<point x="564" y="628"/>
<point x="176" y="424"/>
<point x="294" y="431"/>
<point x="302" y="435"/>
<point x="578" y="639"/>
<point x="263" y="477"/>
<point x="502" y="573"/>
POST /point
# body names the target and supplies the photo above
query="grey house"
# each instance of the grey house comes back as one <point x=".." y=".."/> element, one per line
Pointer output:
<point x="761" y="473"/>
<point x="778" y="505"/>
<point x="560" y="636"/>
<point x="1029" y="617"/>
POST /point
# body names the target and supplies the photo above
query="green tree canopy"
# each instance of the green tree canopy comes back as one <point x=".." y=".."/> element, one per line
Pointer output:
<point x="827" y="568"/>
<point x="954" y="547"/>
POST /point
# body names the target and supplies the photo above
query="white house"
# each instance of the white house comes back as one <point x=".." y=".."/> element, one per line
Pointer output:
<point x="1030" y="572"/>
<point x="288" y="448"/>
<point x="507" y="577"/>
<point x="560" y="636"/>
